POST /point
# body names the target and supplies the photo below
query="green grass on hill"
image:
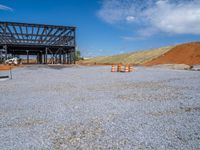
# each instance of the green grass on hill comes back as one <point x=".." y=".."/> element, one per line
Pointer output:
<point x="140" y="57"/>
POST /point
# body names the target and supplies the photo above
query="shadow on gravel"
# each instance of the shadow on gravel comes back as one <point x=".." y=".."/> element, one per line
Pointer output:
<point x="57" y="67"/>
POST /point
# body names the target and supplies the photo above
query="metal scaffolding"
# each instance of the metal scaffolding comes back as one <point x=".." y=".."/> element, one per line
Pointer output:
<point x="49" y="43"/>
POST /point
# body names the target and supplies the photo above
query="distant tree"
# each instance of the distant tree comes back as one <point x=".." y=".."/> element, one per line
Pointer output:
<point x="78" y="55"/>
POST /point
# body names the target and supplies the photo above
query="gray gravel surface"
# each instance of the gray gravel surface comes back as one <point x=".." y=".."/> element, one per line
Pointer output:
<point x="92" y="108"/>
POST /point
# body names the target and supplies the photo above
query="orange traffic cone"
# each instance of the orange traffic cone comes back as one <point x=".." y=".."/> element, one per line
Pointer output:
<point x="130" y="68"/>
<point x="119" y="68"/>
<point x="126" y="68"/>
<point x="113" y="68"/>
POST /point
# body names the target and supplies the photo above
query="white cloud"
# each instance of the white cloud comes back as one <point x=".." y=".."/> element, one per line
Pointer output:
<point x="100" y="50"/>
<point x="128" y="38"/>
<point x="147" y="32"/>
<point x="182" y="18"/>
<point x="122" y="52"/>
<point x="130" y="19"/>
<point x="3" y="7"/>
<point x="170" y="16"/>
<point x="112" y="11"/>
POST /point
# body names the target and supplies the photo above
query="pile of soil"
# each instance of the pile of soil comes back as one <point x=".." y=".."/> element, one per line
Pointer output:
<point x="174" y="66"/>
<point x="6" y="67"/>
<point x="182" y="54"/>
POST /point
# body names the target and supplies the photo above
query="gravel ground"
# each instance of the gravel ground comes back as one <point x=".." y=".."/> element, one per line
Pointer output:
<point x="92" y="108"/>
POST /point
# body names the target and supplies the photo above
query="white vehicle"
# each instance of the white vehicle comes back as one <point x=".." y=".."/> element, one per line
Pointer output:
<point x="12" y="61"/>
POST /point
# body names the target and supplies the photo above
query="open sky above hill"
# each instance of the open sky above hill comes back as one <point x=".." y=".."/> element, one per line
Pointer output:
<point x="107" y="27"/>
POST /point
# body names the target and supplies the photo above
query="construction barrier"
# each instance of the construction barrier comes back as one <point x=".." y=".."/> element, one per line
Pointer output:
<point x="126" y="68"/>
<point x="113" y="68"/>
<point x="119" y="68"/>
<point x="130" y="68"/>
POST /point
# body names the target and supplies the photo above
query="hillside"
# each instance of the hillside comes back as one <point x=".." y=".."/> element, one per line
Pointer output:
<point x="188" y="53"/>
<point x="140" y="57"/>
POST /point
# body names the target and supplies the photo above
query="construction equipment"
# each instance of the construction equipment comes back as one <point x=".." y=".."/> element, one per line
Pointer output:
<point x="14" y="61"/>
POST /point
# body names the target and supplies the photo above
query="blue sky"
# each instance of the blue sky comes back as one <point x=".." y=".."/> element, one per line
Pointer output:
<point x="106" y="27"/>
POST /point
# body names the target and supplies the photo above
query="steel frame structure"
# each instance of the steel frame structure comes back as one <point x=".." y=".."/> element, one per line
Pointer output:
<point x="40" y="40"/>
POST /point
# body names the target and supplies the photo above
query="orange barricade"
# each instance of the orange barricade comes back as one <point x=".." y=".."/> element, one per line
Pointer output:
<point x="119" y="68"/>
<point x="113" y="68"/>
<point x="130" y="68"/>
<point x="126" y="68"/>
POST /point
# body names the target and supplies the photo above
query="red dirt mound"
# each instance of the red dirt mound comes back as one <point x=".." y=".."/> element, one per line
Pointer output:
<point x="6" y="67"/>
<point x="182" y="54"/>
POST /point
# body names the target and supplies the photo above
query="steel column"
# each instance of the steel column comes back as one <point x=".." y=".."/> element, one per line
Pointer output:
<point x="27" y="57"/>
<point x="46" y="53"/>
<point x="40" y="57"/>
<point x="60" y="59"/>
<point x="64" y="58"/>
<point x="1" y="56"/>
<point x="44" y="57"/>
<point x="74" y="57"/>
<point x="6" y="51"/>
